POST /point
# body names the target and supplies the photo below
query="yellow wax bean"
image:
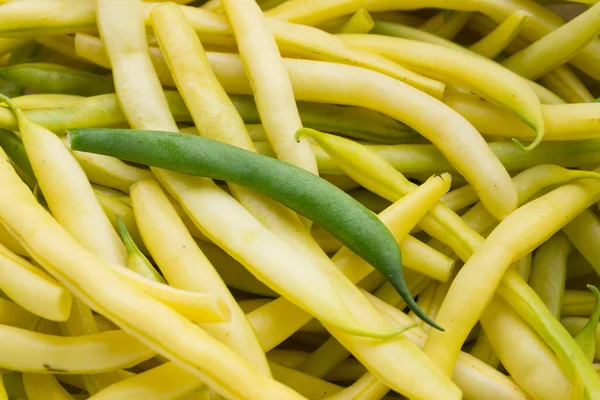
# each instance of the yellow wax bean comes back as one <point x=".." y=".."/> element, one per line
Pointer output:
<point x="147" y="319"/>
<point x="314" y="44"/>
<point x="563" y="122"/>
<point x="8" y="240"/>
<point x="586" y="338"/>
<point x="350" y="368"/>
<point x="44" y="387"/>
<point x="360" y="22"/>
<point x="460" y="198"/>
<point x="584" y="233"/>
<point x="557" y="47"/>
<point x="307" y="42"/>
<point x="153" y="112"/>
<point x="198" y="307"/>
<point x="32" y="288"/>
<point x="109" y="171"/>
<point x="155" y="383"/>
<point x="549" y="271"/>
<point x="68" y="193"/>
<point x="578" y="303"/>
<point x="185" y="266"/>
<point x="362" y="389"/>
<point x="450" y="26"/>
<point x="310" y="387"/>
<point x="541" y="21"/>
<point x="532" y="364"/>
<point x="270" y="82"/>
<point x="46" y="100"/>
<point x="516" y="236"/>
<point x="20" y="19"/>
<point x="472" y="73"/>
<point x="564" y="82"/>
<point x="14" y="315"/>
<point x="356" y="86"/>
<point x="497" y="40"/>
<point x="34" y="352"/>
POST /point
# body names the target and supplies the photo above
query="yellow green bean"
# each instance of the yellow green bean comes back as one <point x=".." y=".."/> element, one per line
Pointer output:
<point x="429" y="59"/>
<point x="532" y="364"/>
<point x="32" y="288"/>
<point x="496" y="41"/>
<point x="270" y="82"/>
<point x="360" y="22"/>
<point x="34" y="352"/>
<point x="185" y="266"/>
<point x="549" y="271"/>
<point x="39" y="387"/>
<point x="557" y="47"/>
<point x="586" y="338"/>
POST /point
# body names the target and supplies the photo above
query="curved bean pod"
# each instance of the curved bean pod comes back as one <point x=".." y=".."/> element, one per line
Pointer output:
<point x="530" y="360"/>
<point x="549" y="271"/>
<point x="541" y="21"/>
<point x="34" y="352"/>
<point x="110" y="172"/>
<point x="565" y="83"/>
<point x="40" y="387"/>
<point x="544" y="216"/>
<point x="312" y="43"/>
<point x="69" y="194"/>
<point x="270" y="82"/>
<point x="32" y="289"/>
<point x="506" y="89"/>
<point x="586" y="338"/>
<point x="497" y="40"/>
<point x="360" y="22"/>
<point x="46" y="100"/>
<point x="557" y="47"/>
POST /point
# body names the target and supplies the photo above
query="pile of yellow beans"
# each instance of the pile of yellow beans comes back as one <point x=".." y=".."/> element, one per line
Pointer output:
<point x="469" y="127"/>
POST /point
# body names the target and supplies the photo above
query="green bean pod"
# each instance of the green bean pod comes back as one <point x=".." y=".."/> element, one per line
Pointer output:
<point x="353" y="224"/>
<point x="55" y="78"/>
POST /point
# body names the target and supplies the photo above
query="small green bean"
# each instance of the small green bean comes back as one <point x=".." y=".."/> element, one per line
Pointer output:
<point x="306" y="194"/>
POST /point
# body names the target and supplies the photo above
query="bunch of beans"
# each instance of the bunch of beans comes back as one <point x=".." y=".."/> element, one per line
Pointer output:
<point x="299" y="199"/>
